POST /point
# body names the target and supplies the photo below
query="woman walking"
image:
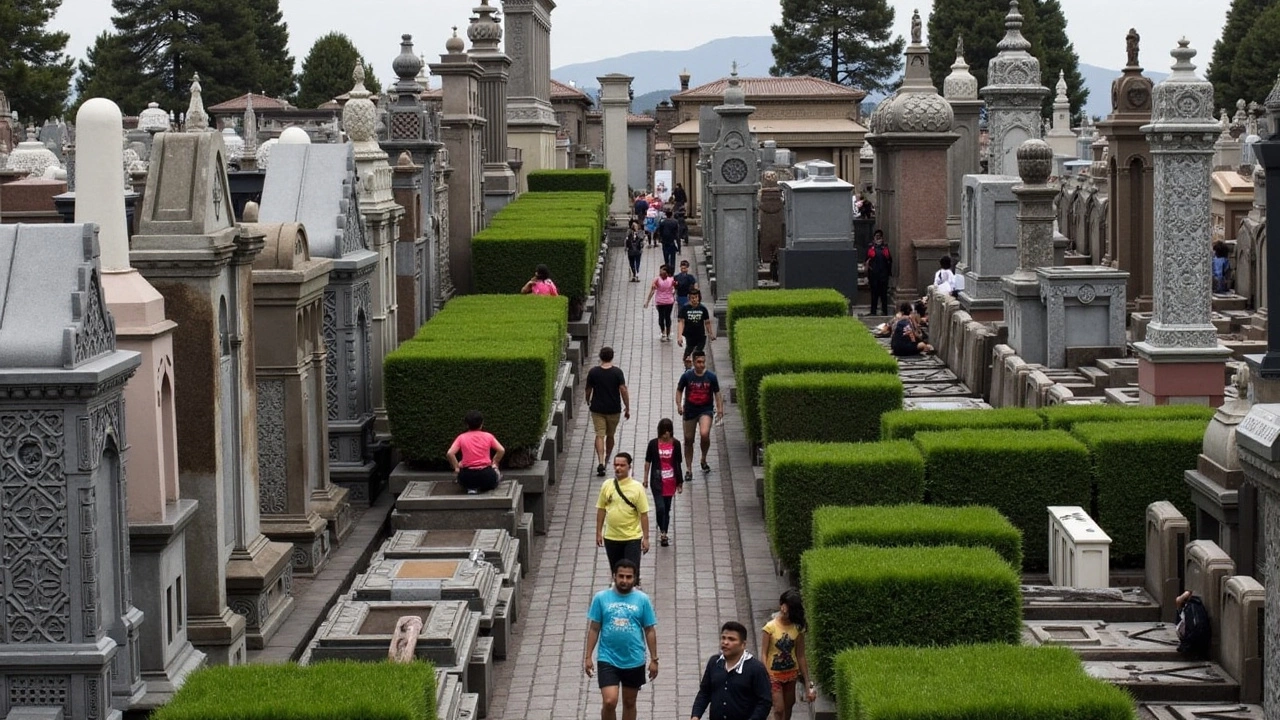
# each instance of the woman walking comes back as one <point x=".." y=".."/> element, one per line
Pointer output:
<point x="664" y="288"/>
<point x="783" y="647"/>
<point x="662" y="472"/>
<point x="635" y="249"/>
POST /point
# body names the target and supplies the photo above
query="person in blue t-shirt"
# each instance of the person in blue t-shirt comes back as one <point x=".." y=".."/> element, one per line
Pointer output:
<point x="621" y="619"/>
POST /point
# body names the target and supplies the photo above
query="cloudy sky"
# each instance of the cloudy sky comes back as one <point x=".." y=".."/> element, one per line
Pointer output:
<point x="595" y="29"/>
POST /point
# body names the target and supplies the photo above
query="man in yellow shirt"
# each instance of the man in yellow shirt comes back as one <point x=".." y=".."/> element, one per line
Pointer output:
<point x="622" y="516"/>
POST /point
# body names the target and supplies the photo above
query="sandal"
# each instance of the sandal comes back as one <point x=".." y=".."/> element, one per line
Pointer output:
<point x="688" y="476"/>
<point x="663" y="541"/>
<point x="705" y="467"/>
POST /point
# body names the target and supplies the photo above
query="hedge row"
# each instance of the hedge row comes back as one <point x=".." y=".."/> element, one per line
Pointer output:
<point x="862" y="595"/>
<point x="826" y="407"/>
<point x="790" y="303"/>
<point x="1062" y="417"/>
<point x="904" y="424"/>
<point x="1018" y="472"/>
<point x="800" y="477"/>
<point x="560" y="230"/>
<point x="903" y="525"/>
<point x="324" y="691"/>
<point x="571" y="180"/>
<point x="498" y="355"/>
<point x="765" y="346"/>
<point x="1134" y="465"/>
<point x="1009" y="682"/>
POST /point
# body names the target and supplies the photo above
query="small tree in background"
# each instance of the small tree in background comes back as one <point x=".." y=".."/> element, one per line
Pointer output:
<point x="848" y="42"/>
<point x="326" y="71"/>
<point x="1227" y="87"/>
<point x="1257" y="58"/>
<point x="35" y="72"/>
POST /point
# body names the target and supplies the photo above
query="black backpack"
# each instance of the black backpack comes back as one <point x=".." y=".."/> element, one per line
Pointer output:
<point x="1194" y="632"/>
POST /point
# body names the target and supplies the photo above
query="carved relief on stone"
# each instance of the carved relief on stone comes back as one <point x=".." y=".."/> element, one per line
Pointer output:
<point x="330" y="332"/>
<point x="96" y="335"/>
<point x="273" y="485"/>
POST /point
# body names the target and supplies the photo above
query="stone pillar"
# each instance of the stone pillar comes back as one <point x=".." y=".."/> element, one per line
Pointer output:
<point x="194" y="255"/>
<point x="531" y="122"/>
<point x="298" y="503"/>
<point x="1023" y="309"/>
<point x="734" y="190"/>
<point x="158" y="515"/>
<point x="381" y="216"/>
<point x="1259" y="447"/>
<point x="1060" y="137"/>
<point x="1130" y="214"/>
<point x="485" y="33"/>
<point x="71" y="636"/>
<point x="462" y="126"/>
<point x="1180" y="359"/>
<point x="964" y="157"/>
<point x="615" y="99"/>
<point x="1013" y="94"/>
<point x="911" y="133"/>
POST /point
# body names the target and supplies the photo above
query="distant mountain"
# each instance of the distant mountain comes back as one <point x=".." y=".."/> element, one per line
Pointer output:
<point x="657" y="72"/>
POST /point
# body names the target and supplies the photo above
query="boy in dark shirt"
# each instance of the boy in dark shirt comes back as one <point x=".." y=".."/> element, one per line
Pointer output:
<point x="693" y="330"/>
<point x="686" y="282"/>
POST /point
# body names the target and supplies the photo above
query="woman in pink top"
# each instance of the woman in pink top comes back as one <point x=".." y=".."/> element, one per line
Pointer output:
<point x="540" y="283"/>
<point x="664" y="287"/>
<point x="477" y="472"/>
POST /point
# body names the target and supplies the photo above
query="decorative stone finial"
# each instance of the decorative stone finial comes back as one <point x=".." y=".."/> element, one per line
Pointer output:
<point x="734" y="94"/>
<point x="960" y="48"/>
<point x="407" y="65"/>
<point x="1182" y="55"/>
<point x="153" y="119"/>
<point x="1131" y="46"/>
<point x="917" y="34"/>
<point x="1013" y="39"/>
<point x="454" y="45"/>
<point x="1035" y="161"/>
<point x="359" y="115"/>
<point x="250" y="213"/>
<point x="484" y="31"/>
<point x="1062" y="85"/>
<point x="197" y="118"/>
<point x="960" y="84"/>
<point x="249" y="129"/>
<point x="916" y="107"/>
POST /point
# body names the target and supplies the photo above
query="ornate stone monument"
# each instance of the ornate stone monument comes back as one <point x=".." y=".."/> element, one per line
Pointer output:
<point x="1023" y="310"/>
<point x="1130" y="177"/>
<point x="1060" y="137"/>
<point x="485" y="33"/>
<point x="819" y="249"/>
<point x="190" y="250"/>
<point x="531" y="123"/>
<point x="1180" y="359"/>
<point x="963" y="158"/>
<point x="988" y="243"/>
<point x="734" y="190"/>
<point x="158" y="515"/>
<point x="462" y="126"/>
<point x="71" y="639"/>
<point x="912" y="133"/>
<point x="1013" y="94"/>
<point x="615" y="101"/>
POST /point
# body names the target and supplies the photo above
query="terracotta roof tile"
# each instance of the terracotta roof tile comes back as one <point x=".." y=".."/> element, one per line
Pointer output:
<point x="759" y="88"/>
<point x="260" y="102"/>
<point x="562" y="91"/>
<point x="633" y="119"/>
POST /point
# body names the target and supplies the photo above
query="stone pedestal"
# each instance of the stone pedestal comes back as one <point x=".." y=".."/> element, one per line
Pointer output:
<point x="531" y="122"/>
<point x="819" y="250"/>
<point x="1180" y="359"/>
<point x="1025" y="316"/>
<point x="1217" y="484"/>
<point x="615" y="101"/>
<point x="989" y="243"/>
<point x="1084" y="310"/>
<point x="188" y="247"/>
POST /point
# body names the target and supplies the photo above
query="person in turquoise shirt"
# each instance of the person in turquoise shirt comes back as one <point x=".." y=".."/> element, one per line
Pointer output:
<point x="620" y="624"/>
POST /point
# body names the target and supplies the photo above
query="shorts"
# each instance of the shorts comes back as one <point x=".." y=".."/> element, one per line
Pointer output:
<point x="605" y="425"/>
<point x="691" y="347"/>
<point x="778" y="679"/>
<point x="691" y="423"/>
<point x="610" y="676"/>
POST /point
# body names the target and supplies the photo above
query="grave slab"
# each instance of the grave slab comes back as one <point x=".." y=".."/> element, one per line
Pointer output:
<point x="958" y="403"/>
<point x="480" y="674"/>
<point x="1203" y="711"/>
<point x="1099" y="640"/>
<point x="444" y="505"/>
<point x="499" y="547"/>
<point x="1117" y="604"/>
<point x="1168" y="681"/>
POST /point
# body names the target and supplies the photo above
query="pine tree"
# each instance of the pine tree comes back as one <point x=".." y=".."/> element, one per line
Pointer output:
<point x="109" y="70"/>
<point x="35" y="73"/>
<point x="1241" y="16"/>
<point x="849" y="42"/>
<point x="275" y="76"/>
<point x="326" y="71"/>
<point x="981" y="24"/>
<point x="1257" y="58"/>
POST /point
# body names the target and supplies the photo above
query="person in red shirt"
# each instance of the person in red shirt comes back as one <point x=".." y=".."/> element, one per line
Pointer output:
<point x="662" y="472"/>
<point x="879" y="270"/>
<point x="477" y="471"/>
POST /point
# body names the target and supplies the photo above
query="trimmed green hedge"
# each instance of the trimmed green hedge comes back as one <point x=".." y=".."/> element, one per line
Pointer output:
<point x="901" y="525"/>
<point x="1018" y="472"/>
<point x="503" y="257"/>
<point x="861" y="595"/>
<point x="766" y="346"/>
<point x="1134" y="465"/>
<point x="1062" y="417"/>
<point x="973" y="682"/>
<point x="826" y="407"/>
<point x="570" y="181"/>
<point x="825" y="302"/>
<point x="498" y="355"/>
<point x="324" y="691"/>
<point x="799" y="477"/>
<point x="904" y="424"/>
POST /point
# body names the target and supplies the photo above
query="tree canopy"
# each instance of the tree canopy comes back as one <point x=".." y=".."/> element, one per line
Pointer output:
<point x="35" y="72"/>
<point x="849" y="42"/>
<point x="326" y="71"/>
<point x="1257" y="59"/>
<point x="1241" y="17"/>
<point x="981" y="24"/>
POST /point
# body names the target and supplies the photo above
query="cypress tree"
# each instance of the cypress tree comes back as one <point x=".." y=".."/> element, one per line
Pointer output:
<point x="326" y="71"/>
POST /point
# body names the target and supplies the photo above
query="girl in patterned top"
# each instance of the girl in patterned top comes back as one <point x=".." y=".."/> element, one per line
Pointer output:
<point x="783" y="647"/>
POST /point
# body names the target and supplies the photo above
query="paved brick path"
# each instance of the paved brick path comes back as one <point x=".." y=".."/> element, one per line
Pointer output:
<point x="717" y="568"/>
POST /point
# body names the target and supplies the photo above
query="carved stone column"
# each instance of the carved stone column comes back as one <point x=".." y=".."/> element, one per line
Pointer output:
<point x="531" y="122"/>
<point x="963" y="158"/>
<point x="1023" y="310"/>
<point x="1013" y="94"/>
<point x="485" y="33"/>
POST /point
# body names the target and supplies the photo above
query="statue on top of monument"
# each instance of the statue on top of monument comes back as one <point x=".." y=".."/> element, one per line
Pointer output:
<point x="1131" y="46"/>
<point x="960" y="46"/>
<point x="916" y="28"/>
<point x="197" y="119"/>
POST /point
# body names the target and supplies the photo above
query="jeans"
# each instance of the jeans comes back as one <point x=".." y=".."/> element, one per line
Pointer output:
<point x="879" y="293"/>
<point x="635" y="263"/>
<point x="669" y="255"/>
<point x="663" y="504"/>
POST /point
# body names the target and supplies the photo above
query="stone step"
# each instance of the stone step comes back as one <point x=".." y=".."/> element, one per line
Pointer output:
<point x="1167" y="681"/>
<point x="1100" y="640"/>
<point x="1120" y="604"/>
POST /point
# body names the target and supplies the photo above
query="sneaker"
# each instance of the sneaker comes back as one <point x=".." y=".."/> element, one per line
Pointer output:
<point x="600" y="470"/>
<point x="663" y="541"/>
<point x="705" y="467"/>
<point x="688" y="476"/>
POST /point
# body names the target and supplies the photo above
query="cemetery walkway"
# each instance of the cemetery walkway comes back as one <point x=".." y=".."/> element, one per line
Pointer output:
<point x="717" y="568"/>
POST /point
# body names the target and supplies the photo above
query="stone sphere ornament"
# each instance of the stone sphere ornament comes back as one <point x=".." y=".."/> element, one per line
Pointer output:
<point x="1035" y="162"/>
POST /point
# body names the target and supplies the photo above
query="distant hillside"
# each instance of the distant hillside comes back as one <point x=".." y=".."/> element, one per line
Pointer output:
<point x="647" y="102"/>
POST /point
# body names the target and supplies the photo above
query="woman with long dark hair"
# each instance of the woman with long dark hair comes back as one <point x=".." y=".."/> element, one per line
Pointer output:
<point x="782" y="645"/>
<point x="662" y="472"/>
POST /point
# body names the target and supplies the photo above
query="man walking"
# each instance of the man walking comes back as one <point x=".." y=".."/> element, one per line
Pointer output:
<point x="622" y="516"/>
<point x="879" y="268"/>
<point x="669" y="235"/>
<point x="686" y="282"/>
<point x="641" y="208"/>
<point x="735" y="685"/>
<point x="697" y="400"/>
<point x="608" y="401"/>
<point x="693" y="329"/>
<point x="621" y="621"/>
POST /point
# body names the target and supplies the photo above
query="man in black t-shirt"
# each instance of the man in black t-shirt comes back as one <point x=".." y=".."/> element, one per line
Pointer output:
<point x="694" y="330"/>
<point x="607" y="399"/>
<point x="698" y="401"/>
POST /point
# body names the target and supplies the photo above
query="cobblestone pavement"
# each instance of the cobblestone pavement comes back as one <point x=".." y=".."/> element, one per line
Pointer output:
<point x="717" y="568"/>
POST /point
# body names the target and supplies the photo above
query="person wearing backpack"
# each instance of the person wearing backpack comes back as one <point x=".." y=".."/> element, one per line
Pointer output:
<point x="1195" y="634"/>
<point x="622" y="516"/>
<point x="635" y="249"/>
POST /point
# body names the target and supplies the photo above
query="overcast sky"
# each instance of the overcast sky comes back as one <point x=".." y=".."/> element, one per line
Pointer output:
<point x="595" y="29"/>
